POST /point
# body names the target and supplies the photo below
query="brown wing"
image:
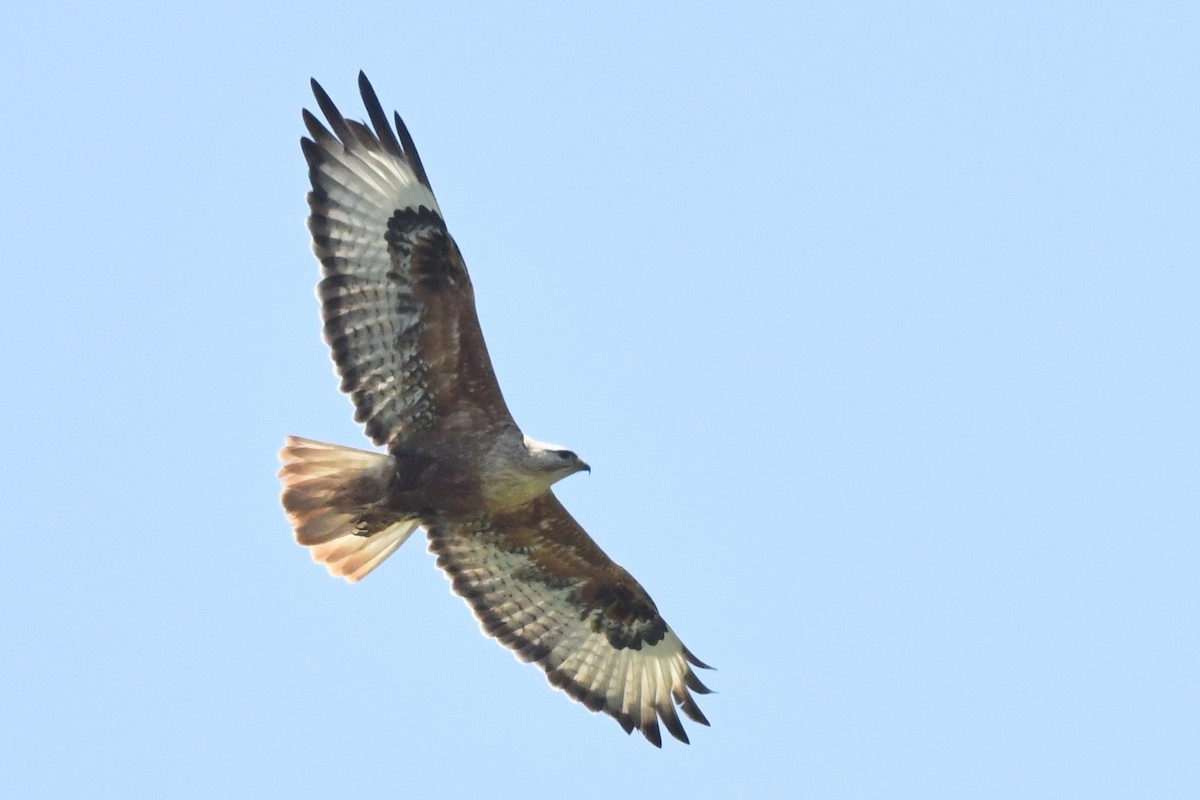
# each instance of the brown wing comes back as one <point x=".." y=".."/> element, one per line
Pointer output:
<point x="396" y="300"/>
<point x="539" y="584"/>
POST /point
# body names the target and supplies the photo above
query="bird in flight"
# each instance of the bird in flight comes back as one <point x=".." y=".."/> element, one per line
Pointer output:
<point x="399" y="316"/>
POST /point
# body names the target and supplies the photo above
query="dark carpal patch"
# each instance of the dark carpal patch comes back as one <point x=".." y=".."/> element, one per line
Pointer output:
<point x="628" y="619"/>
<point x="421" y="247"/>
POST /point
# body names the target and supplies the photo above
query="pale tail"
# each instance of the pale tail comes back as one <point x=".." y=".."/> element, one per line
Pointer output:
<point x="331" y="495"/>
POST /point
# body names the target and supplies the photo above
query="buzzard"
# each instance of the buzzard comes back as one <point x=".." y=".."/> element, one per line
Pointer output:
<point x="399" y="315"/>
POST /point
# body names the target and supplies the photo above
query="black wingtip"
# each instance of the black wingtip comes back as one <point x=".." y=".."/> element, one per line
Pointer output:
<point x="398" y="141"/>
<point x="695" y="684"/>
<point x="337" y="122"/>
<point x="695" y="662"/>
<point x="693" y="712"/>
<point x="410" y="150"/>
<point x="364" y="85"/>
<point x="650" y="730"/>
<point x="319" y="92"/>
<point x="379" y="120"/>
<point x="316" y="130"/>
<point x="674" y="726"/>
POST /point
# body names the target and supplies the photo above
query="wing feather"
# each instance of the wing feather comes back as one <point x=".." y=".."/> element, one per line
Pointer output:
<point x="396" y="299"/>
<point x="383" y="131"/>
<point x="543" y="588"/>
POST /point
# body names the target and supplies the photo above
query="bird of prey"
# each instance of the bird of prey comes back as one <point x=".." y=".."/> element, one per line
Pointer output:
<point x="399" y="316"/>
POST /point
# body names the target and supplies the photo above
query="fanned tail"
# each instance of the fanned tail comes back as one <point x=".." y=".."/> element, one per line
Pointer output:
<point x="333" y="498"/>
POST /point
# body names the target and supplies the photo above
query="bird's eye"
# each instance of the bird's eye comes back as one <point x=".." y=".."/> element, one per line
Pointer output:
<point x="565" y="455"/>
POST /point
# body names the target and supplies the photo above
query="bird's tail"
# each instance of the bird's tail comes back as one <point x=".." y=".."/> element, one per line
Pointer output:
<point x="332" y="496"/>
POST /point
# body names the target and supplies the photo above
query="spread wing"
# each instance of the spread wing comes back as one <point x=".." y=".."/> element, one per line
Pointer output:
<point x="396" y="300"/>
<point x="539" y="584"/>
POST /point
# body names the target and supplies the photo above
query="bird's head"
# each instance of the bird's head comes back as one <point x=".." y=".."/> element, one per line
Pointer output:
<point x="553" y="460"/>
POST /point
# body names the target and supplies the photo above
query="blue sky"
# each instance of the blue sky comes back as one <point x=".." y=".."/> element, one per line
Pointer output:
<point x="877" y="322"/>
